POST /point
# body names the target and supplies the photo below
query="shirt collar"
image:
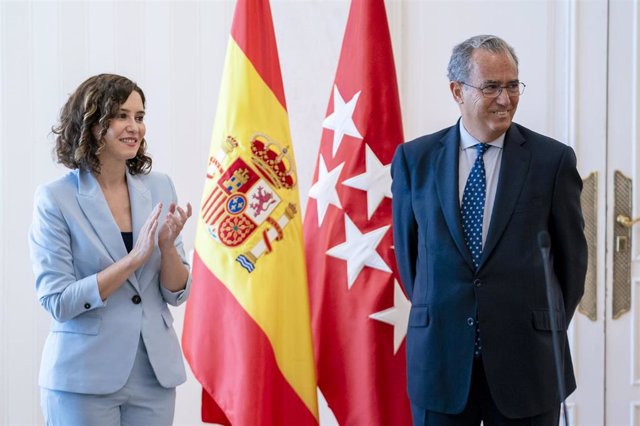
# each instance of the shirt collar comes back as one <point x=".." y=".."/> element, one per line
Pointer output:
<point x="467" y="141"/>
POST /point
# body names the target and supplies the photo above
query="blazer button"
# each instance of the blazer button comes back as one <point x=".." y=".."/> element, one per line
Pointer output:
<point x="136" y="299"/>
<point x="470" y="321"/>
<point x="477" y="282"/>
<point x="87" y="305"/>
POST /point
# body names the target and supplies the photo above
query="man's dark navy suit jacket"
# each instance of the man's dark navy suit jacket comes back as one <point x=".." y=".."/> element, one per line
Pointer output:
<point x="538" y="190"/>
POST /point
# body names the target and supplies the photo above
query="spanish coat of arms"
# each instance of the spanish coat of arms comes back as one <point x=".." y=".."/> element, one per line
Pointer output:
<point x="245" y="196"/>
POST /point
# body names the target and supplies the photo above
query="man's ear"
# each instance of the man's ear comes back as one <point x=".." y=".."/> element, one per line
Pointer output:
<point x="456" y="91"/>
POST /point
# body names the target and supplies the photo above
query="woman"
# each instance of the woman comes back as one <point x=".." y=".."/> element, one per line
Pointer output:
<point x="108" y="258"/>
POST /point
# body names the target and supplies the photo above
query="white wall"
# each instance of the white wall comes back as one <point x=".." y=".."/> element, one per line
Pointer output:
<point x="175" y="51"/>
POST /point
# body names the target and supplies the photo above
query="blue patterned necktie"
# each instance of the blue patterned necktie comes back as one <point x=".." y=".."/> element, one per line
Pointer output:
<point x="473" y="198"/>
<point x="473" y="205"/>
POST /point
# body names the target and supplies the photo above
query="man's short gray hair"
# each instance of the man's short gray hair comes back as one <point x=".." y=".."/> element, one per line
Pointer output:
<point x="460" y="62"/>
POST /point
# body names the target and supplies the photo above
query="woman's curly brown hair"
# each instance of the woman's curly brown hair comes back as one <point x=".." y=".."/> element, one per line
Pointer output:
<point x="85" y="119"/>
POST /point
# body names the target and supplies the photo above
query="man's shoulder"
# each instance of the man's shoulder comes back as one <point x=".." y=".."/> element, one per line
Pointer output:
<point x="536" y="137"/>
<point x="428" y="142"/>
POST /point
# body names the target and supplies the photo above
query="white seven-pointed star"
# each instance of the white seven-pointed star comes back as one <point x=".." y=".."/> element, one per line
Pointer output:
<point x="376" y="180"/>
<point x="397" y="316"/>
<point x="341" y="119"/>
<point x="359" y="250"/>
<point x="324" y="190"/>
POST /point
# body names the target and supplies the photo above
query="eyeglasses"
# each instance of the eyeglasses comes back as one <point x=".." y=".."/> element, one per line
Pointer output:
<point x="515" y="88"/>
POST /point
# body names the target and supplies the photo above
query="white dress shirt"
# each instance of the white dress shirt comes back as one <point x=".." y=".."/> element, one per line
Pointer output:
<point x="492" y="159"/>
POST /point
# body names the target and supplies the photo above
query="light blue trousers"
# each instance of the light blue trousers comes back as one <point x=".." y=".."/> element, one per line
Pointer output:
<point x="141" y="402"/>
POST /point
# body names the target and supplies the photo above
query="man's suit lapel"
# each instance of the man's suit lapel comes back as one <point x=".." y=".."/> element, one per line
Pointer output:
<point x="447" y="188"/>
<point x="513" y="172"/>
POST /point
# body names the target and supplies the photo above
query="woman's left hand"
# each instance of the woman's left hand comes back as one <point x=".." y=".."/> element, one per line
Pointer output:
<point x="172" y="225"/>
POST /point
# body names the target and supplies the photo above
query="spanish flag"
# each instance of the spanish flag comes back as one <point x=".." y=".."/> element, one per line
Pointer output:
<point x="247" y="333"/>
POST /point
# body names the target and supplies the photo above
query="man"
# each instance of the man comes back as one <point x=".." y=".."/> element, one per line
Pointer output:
<point x="468" y="205"/>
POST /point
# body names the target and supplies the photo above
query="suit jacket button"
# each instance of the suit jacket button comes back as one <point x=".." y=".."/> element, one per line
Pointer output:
<point x="470" y="321"/>
<point x="87" y="305"/>
<point x="136" y="299"/>
<point x="477" y="282"/>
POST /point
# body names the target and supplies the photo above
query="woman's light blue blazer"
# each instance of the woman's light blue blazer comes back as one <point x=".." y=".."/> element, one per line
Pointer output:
<point x="92" y="343"/>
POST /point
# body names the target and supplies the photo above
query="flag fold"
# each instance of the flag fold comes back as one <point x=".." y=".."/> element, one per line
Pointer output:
<point x="247" y="333"/>
<point x="359" y="310"/>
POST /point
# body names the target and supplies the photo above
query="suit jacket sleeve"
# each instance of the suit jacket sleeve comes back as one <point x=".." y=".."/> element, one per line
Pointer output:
<point x="59" y="291"/>
<point x="178" y="297"/>
<point x="405" y="227"/>
<point x="566" y="228"/>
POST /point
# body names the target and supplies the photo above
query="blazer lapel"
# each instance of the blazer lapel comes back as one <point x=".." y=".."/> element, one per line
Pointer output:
<point x="95" y="208"/>
<point x="141" y="205"/>
<point x="447" y="188"/>
<point x="513" y="171"/>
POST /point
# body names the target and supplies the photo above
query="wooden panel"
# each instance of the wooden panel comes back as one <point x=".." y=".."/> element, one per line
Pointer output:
<point x="73" y="33"/>
<point x="185" y="63"/>
<point x="308" y="60"/>
<point x="635" y="334"/>
<point x="435" y="27"/>
<point x="129" y="39"/>
<point x="622" y="154"/>
<point x="583" y="126"/>
<point x="157" y="80"/>
<point x="19" y="340"/>
<point x="4" y="360"/>
<point x="102" y="51"/>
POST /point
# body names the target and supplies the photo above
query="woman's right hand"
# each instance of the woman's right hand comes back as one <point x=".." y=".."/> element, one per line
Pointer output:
<point x="145" y="243"/>
<point x="111" y="278"/>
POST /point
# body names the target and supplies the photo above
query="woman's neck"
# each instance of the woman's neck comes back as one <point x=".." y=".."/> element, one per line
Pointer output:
<point x="112" y="175"/>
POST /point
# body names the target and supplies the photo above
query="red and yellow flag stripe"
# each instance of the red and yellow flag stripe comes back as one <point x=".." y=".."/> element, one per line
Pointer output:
<point x="247" y="335"/>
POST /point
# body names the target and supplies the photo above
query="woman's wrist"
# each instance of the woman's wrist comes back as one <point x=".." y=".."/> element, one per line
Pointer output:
<point x="132" y="261"/>
<point x="167" y="249"/>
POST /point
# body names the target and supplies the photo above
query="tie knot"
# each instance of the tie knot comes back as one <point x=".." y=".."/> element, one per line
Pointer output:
<point x="482" y="148"/>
